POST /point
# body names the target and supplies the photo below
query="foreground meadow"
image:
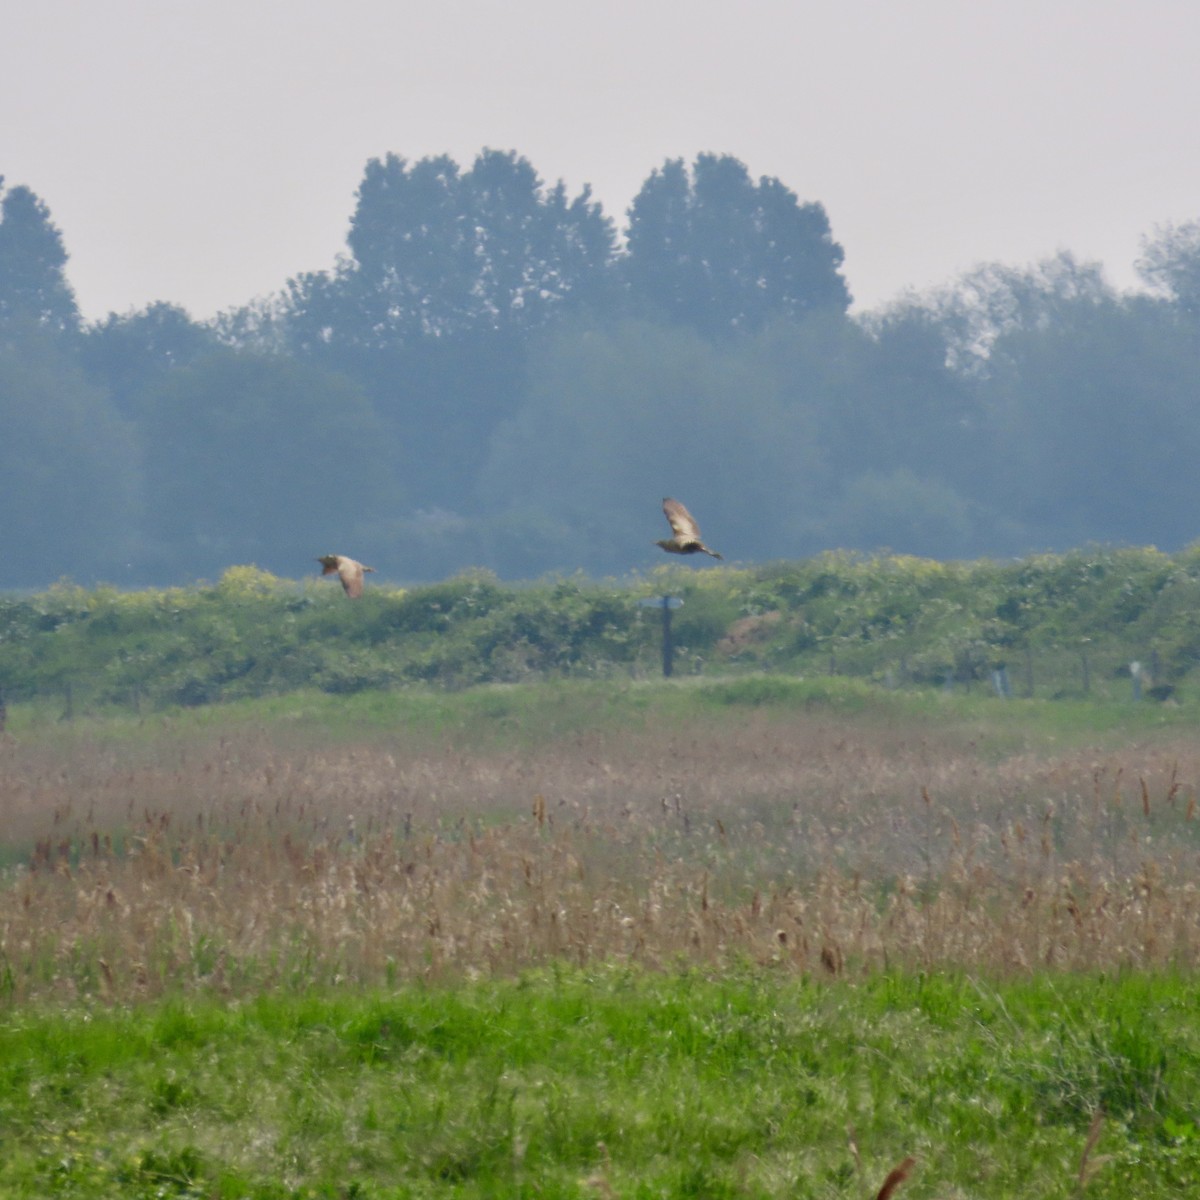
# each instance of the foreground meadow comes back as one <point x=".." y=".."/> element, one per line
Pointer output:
<point x="614" y="1082"/>
<point x="761" y="938"/>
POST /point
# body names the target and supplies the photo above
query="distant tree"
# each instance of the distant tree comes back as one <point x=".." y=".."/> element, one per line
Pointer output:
<point x="68" y="471"/>
<point x="538" y="251"/>
<point x="1170" y="263"/>
<point x="890" y="419"/>
<point x="983" y="386"/>
<point x="260" y="326"/>
<point x="123" y="354"/>
<point x="257" y="459"/>
<point x="716" y="251"/>
<point x="438" y="251"/>
<point x="448" y="274"/>
<point x="995" y="300"/>
<point x="412" y="267"/>
<point x="914" y="412"/>
<point x="33" y="287"/>
<point x="900" y="512"/>
<point x="1030" y="407"/>
<point x="1095" y="414"/>
<point x="617" y="418"/>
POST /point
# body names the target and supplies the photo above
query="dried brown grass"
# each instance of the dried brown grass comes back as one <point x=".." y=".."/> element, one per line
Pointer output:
<point x="245" y="861"/>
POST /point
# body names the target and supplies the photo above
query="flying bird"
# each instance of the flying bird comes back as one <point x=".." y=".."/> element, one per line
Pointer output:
<point x="348" y="570"/>
<point x="686" y="531"/>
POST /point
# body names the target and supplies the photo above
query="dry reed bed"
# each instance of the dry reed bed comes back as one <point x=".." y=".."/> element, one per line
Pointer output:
<point x="245" y="861"/>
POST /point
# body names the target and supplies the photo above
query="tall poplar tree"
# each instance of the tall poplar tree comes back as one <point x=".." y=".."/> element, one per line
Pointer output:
<point x="716" y="251"/>
<point x="33" y="284"/>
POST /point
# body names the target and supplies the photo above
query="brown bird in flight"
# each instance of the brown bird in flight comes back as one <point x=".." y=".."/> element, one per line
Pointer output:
<point x="349" y="571"/>
<point x="686" y="531"/>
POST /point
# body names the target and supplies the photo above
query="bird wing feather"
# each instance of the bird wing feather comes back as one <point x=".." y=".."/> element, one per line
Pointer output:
<point x="351" y="575"/>
<point x="347" y="569"/>
<point x="682" y="523"/>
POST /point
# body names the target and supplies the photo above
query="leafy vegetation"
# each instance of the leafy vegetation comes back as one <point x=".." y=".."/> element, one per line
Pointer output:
<point x="1052" y="626"/>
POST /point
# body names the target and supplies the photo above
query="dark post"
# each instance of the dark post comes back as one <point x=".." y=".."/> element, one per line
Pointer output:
<point x="666" y="603"/>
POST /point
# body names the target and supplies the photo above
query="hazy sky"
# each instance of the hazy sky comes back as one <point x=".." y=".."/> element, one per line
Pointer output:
<point x="203" y="151"/>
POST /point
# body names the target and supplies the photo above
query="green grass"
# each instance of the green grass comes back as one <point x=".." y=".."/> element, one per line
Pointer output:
<point x="565" y="1084"/>
<point x="532" y="715"/>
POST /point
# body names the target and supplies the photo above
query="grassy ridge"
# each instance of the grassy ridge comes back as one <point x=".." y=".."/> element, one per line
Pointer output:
<point x="541" y="709"/>
<point x="1058" y="624"/>
<point x="614" y="1083"/>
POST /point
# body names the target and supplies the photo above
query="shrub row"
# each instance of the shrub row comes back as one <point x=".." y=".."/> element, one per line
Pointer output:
<point x="1059" y="623"/>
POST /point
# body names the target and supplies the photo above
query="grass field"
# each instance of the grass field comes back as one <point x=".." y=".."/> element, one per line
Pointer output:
<point x="615" y="1082"/>
<point x="760" y="938"/>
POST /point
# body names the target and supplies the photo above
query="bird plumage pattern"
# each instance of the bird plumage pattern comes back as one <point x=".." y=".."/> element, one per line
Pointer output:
<point x="687" y="532"/>
<point x="348" y="570"/>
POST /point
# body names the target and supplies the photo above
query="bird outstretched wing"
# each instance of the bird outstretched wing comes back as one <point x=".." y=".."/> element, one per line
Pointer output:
<point x="348" y="570"/>
<point x="683" y="524"/>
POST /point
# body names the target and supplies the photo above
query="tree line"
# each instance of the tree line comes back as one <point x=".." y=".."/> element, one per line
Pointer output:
<point x="493" y="374"/>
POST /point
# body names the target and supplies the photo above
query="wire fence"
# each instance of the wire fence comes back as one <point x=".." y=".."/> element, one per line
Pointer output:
<point x="1047" y="672"/>
<point x="1105" y="673"/>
